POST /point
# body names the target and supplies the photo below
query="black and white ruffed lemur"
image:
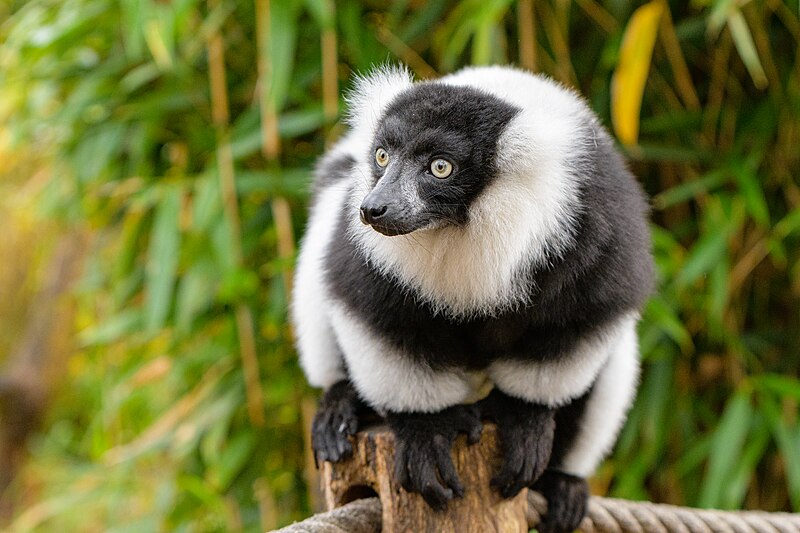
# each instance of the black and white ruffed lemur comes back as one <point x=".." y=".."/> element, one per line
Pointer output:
<point x="479" y="226"/>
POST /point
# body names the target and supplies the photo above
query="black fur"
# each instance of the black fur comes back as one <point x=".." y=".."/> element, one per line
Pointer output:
<point x="567" y="498"/>
<point x="607" y="272"/>
<point x="428" y="122"/>
<point x="460" y="124"/>
<point x="525" y="431"/>
<point x="341" y="412"/>
<point x="423" y="448"/>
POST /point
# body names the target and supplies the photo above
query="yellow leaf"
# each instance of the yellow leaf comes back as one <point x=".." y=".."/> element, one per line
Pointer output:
<point x="630" y="76"/>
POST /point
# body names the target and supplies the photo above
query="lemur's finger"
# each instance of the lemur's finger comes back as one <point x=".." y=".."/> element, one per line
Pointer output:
<point x="432" y="490"/>
<point x="401" y="465"/>
<point x="469" y="422"/>
<point x="343" y="446"/>
<point x="447" y="471"/>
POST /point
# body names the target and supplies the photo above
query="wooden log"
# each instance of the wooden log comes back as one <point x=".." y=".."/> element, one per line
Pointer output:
<point x="370" y="472"/>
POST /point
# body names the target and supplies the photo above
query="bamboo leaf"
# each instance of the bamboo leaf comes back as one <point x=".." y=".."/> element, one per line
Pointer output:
<point x="162" y="260"/>
<point x="232" y="459"/>
<point x="662" y="315"/>
<point x="726" y="450"/>
<point x="195" y="294"/>
<point x="707" y="252"/>
<point x="630" y="76"/>
<point x="752" y="454"/>
<point x="787" y="437"/>
<point x="784" y="386"/>
<point x="752" y="193"/>
<point x="743" y="40"/>
<point x="279" y="50"/>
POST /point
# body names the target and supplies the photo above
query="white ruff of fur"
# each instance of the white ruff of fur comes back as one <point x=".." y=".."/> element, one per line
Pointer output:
<point x="524" y="218"/>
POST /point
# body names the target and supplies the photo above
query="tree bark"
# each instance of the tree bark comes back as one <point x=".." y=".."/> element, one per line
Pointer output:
<point x="370" y="472"/>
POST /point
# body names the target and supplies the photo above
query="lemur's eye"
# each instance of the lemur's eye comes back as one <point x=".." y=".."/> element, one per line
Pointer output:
<point x="441" y="168"/>
<point x="381" y="157"/>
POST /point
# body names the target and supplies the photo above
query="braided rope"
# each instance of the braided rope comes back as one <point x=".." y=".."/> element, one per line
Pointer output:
<point x="605" y="515"/>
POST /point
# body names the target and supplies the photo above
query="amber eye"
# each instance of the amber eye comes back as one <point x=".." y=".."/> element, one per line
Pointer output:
<point x="381" y="157"/>
<point x="441" y="168"/>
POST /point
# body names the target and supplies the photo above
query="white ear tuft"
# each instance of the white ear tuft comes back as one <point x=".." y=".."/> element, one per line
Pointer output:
<point x="374" y="92"/>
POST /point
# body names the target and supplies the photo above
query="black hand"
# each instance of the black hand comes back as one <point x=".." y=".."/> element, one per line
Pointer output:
<point x="335" y="421"/>
<point x="525" y="431"/>
<point x="423" y="448"/>
<point x="567" y="498"/>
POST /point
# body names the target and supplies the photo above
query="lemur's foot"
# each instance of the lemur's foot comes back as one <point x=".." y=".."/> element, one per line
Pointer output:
<point x="336" y="420"/>
<point x="423" y="443"/>
<point x="567" y="498"/>
<point x="525" y="431"/>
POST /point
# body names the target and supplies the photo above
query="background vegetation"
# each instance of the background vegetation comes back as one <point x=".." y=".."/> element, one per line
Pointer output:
<point x="170" y="145"/>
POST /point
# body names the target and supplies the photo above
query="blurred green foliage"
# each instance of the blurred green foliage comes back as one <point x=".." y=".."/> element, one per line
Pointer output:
<point x="150" y="429"/>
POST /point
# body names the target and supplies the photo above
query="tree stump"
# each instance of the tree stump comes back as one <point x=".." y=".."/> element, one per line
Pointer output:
<point x="370" y="472"/>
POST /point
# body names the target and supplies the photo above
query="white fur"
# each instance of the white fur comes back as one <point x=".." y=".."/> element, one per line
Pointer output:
<point x="555" y="383"/>
<point x="389" y="379"/>
<point x="523" y="218"/>
<point x="316" y="343"/>
<point x="607" y="407"/>
<point x="372" y="95"/>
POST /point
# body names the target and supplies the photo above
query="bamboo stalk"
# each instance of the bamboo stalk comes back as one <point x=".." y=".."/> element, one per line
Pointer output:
<point x="558" y="41"/>
<point x="406" y="54"/>
<point x="672" y="47"/>
<point x="271" y="143"/>
<point x="599" y="15"/>
<point x="330" y="74"/>
<point x="527" y="34"/>
<point x="243" y="316"/>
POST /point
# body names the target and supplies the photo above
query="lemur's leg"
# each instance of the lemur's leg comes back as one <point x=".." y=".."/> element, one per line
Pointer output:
<point x="422" y="406"/>
<point x="525" y="431"/>
<point x="585" y="431"/>
<point x="528" y="393"/>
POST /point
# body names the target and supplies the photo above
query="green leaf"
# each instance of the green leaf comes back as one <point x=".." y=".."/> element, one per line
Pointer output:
<point x="752" y="455"/>
<point x="661" y="314"/>
<point x="280" y="51"/>
<point x="726" y="450"/>
<point x="323" y="12"/>
<point x="690" y="189"/>
<point x="233" y="458"/>
<point x="787" y="437"/>
<point x="743" y="40"/>
<point x="703" y="256"/>
<point x="162" y="260"/>
<point x="112" y="328"/>
<point x="783" y="386"/>
<point x="753" y="194"/>
<point x="195" y="294"/>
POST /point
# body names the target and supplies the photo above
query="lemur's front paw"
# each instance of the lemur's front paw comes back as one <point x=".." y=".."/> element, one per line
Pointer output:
<point x="336" y="420"/>
<point x="423" y="448"/>
<point x="567" y="498"/>
<point x="525" y="431"/>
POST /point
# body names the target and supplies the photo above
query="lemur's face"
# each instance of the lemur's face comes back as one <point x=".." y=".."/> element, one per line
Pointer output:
<point x="433" y="153"/>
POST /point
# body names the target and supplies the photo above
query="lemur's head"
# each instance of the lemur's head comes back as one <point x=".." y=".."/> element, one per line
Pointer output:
<point x="433" y="151"/>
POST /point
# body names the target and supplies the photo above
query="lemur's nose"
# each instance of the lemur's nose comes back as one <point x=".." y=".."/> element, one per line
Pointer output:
<point x="371" y="213"/>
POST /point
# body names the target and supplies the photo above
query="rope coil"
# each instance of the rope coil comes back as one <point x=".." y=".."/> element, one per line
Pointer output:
<point x="605" y="515"/>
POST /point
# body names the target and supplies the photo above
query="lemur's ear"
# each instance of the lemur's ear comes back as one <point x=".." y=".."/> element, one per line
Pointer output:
<point x="373" y="92"/>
